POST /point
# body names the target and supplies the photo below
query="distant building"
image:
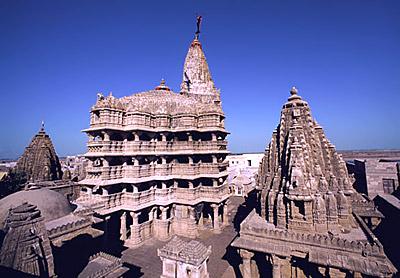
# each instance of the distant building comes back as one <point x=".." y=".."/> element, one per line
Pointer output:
<point x="376" y="176"/>
<point x="75" y="166"/>
<point x="309" y="223"/>
<point x="242" y="172"/>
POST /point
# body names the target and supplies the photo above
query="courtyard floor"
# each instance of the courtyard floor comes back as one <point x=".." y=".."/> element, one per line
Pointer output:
<point x="144" y="262"/>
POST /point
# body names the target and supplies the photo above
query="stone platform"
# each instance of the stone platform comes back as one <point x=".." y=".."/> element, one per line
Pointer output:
<point x="146" y="263"/>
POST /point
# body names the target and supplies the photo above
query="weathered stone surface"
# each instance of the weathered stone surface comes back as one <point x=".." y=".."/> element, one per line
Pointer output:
<point x="183" y="259"/>
<point x="157" y="158"/>
<point x="26" y="246"/>
<point x="39" y="162"/>
<point x="309" y="209"/>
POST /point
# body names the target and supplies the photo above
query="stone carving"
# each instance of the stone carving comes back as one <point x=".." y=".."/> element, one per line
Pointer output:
<point x="183" y="259"/>
<point x="160" y="154"/>
<point x="39" y="162"/>
<point x="26" y="246"/>
<point x="308" y="206"/>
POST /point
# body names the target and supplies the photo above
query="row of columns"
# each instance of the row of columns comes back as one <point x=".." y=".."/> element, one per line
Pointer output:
<point x="282" y="267"/>
<point x="134" y="228"/>
<point x="217" y="225"/>
<point x="136" y="162"/>
<point x="106" y="137"/>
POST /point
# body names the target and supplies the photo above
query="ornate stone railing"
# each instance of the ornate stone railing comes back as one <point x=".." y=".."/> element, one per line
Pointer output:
<point x="146" y="121"/>
<point x="129" y="147"/>
<point x="114" y="263"/>
<point x="364" y="248"/>
<point x="68" y="227"/>
<point x="156" y="196"/>
<point x="143" y="171"/>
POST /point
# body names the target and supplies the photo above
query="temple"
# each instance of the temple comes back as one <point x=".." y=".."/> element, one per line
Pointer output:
<point x="39" y="162"/>
<point x="157" y="158"/>
<point x="308" y="223"/>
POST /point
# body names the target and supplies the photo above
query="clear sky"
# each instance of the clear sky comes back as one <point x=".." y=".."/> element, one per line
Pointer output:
<point x="344" y="57"/>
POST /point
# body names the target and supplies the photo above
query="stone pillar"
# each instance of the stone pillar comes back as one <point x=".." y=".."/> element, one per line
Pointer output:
<point x="135" y="136"/>
<point x="216" y="225"/>
<point x="123" y="226"/>
<point x="214" y="136"/>
<point x="135" y="161"/>
<point x="162" y="227"/>
<point x="336" y="273"/>
<point x="190" y="159"/>
<point x="164" y="211"/>
<point x="214" y="159"/>
<point x="135" y="229"/>
<point x="215" y="182"/>
<point x="163" y="137"/>
<point x="105" y="162"/>
<point x="225" y="217"/>
<point x="106" y="219"/>
<point x="201" y="220"/>
<point x="106" y="136"/>
<point x="190" y="138"/>
<point x="163" y="185"/>
<point x="276" y="266"/>
<point x="151" y="214"/>
<point x="104" y="191"/>
<point x="163" y="160"/>
<point x="280" y="267"/>
<point x="246" y="266"/>
<point x="190" y="184"/>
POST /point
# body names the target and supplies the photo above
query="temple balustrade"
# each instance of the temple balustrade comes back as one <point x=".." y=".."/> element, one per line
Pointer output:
<point x="68" y="228"/>
<point x="118" y="119"/>
<point x="363" y="247"/>
<point x="151" y="170"/>
<point x="156" y="196"/>
<point x="129" y="147"/>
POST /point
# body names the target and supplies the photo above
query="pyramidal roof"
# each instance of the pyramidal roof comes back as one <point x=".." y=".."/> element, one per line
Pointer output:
<point x="39" y="162"/>
<point x="305" y="181"/>
<point x="197" y="78"/>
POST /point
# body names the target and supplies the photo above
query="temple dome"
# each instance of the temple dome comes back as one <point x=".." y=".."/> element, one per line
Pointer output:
<point x="51" y="204"/>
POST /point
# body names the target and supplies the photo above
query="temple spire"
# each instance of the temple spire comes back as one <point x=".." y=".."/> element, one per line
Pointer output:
<point x="197" y="79"/>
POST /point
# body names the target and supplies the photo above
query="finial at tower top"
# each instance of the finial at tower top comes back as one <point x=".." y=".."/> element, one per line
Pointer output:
<point x="293" y="91"/>
<point x="199" y="17"/>
<point x="42" y="127"/>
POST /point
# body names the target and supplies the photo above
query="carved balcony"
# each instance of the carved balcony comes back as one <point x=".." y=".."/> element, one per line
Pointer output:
<point x="156" y="196"/>
<point x="96" y="148"/>
<point x="155" y="170"/>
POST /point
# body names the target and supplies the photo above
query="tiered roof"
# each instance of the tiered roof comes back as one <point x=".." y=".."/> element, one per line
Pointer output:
<point x="39" y="162"/>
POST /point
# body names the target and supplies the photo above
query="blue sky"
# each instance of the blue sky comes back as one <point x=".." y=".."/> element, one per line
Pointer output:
<point x="344" y="57"/>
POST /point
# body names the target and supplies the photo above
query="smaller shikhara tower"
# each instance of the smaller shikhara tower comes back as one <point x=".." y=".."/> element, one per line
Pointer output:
<point x="157" y="158"/>
<point x="310" y="223"/>
<point x="39" y="162"/>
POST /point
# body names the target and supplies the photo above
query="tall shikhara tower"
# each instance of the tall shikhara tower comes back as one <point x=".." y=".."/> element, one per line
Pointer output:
<point x="308" y="224"/>
<point x="157" y="158"/>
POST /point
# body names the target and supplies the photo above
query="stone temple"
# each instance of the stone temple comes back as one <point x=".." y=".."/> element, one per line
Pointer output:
<point x="308" y="225"/>
<point x="156" y="158"/>
<point x="39" y="162"/>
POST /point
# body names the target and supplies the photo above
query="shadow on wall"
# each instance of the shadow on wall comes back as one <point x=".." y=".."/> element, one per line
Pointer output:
<point x="386" y="231"/>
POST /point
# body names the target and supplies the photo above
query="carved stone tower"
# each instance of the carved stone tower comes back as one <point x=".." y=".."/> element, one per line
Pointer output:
<point x="39" y="162"/>
<point x="309" y="223"/>
<point x="26" y="246"/>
